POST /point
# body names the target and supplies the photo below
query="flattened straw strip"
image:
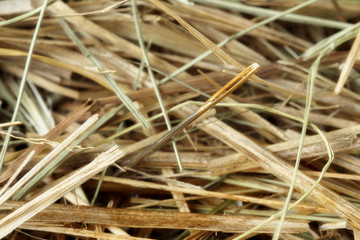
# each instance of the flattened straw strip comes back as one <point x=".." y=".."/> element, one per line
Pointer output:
<point x="281" y="169"/>
<point x="348" y="65"/>
<point x="52" y="165"/>
<point x="85" y="233"/>
<point x="25" y="212"/>
<point x="55" y="132"/>
<point x="48" y="158"/>
<point x="16" y="173"/>
<point x="76" y="178"/>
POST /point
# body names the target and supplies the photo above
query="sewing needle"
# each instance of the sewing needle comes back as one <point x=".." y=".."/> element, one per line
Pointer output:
<point x="211" y="102"/>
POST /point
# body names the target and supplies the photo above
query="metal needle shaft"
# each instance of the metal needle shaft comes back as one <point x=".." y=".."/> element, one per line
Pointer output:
<point x="211" y="102"/>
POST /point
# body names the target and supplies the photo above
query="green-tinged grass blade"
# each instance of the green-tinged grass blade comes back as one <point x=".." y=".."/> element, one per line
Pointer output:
<point x="221" y="207"/>
<point x="141" y="68"/>
<point x="312" y="76"/>
<point x="98" y="187"/>
<point x="57" y="160"/>
<point x="9" y="98"/>
<point x="230" y="117"/>
<point x="121" y="95"/>
<point x="176" y="80"/>
<point x="23" y="81"/>
<point x="46" y="114"/>
<point x="309" y="95"/>
<point x="102" y="175"/>
<point x="34" y="110"/>
<point x="152" y="77"/>
<point x="330" y="43"/>
<point x="215" y="182"/>
<point x="24" y="16"/>
<point x="233" y="37"/>
<point x="262" y="12"/>
<point x="181" y="83"/>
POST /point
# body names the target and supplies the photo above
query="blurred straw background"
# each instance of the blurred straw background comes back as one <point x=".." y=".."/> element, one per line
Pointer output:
<point x="87" y="85"/>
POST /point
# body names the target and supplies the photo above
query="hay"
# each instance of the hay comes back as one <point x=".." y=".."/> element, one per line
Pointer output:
<point x="100" y="81"/>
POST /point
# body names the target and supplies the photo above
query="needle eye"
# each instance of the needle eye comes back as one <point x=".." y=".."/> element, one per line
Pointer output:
<point x="231" y="86"/>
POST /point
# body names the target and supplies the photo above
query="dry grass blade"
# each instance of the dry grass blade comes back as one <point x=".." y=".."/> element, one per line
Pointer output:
<point x="10" y="124"/>
<point x="80" y="232"/>
<point x="22" y="214"/>
<point x="227" y="59"/>
<point x="282" y="170"/>
<point x="30" y="174"/>
<point x="348" y="65"/>
<point x="22" y="84"/>
<point x="275" y="158"/>
<point x="161" y="219"/>
<point x="210" y="194"/>
<point x="60" y="128"/>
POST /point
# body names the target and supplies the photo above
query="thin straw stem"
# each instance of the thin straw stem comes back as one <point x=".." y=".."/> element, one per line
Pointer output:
<point x="297" y="18"/>
<point x="152" y="77"/>
<point x="119" y="93"/>
<point x="233" y="37"/>
<point x="22" y="83"/>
